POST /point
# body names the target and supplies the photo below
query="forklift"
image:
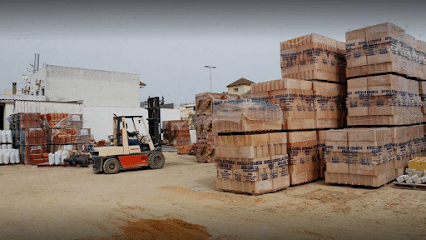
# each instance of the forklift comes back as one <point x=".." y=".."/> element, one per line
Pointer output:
<point x="131" y="149"/>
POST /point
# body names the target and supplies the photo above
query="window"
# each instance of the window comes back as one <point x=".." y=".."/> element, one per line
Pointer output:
<point x="37" y="92"/>
<point x="235" y="89"/>
<point x="42" y="91"/>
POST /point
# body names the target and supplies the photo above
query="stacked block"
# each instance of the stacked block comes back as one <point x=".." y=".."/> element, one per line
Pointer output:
<point x="313" y="57"/>
<point x="303" y="163"/>
<point x="177" y="132"/>
<point x="329" y="105"/>
<point x="359" y="157"/>
<point x="35" y="135"/>
<point x="253" y="163"/>
<point x="370" y="156"/>
<point x="205" y="151"/>
<point x="384" y="48"/>
<point x="306" y="105"/>
<point x="246" y="115"/>
<point x="250" y="157"/>
<point x="295" y="97"/>
<point x="383" y="100"/>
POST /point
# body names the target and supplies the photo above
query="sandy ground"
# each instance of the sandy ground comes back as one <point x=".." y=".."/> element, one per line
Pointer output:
<point x="75" y="203"/>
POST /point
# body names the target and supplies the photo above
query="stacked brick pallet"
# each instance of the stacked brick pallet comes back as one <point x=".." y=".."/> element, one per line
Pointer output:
<point x="203" y="124"/>
<point x="384" y="68"/>
<point x="313" y="57"/>
<point x="29" y="136"/>
<point x="250" y="157"/>
<point x="384" y="48"/>
<point x="66" y="129"/>
<point x="383" y="100"/>
<point x="371" y="156"/>
<point x="305" y="104"/>
<point x="177" y="132"/>
<point x="36" y="135"/>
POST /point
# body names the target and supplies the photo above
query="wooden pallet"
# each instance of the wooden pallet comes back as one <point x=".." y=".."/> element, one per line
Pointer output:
<point x="414" y="186"/>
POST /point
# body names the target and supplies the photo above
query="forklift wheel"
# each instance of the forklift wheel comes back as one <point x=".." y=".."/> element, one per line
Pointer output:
<point x="111" y="166"/>
<point x="156" y="160"/>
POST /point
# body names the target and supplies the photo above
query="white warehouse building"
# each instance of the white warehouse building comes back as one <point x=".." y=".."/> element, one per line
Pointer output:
<point x="96" y="88"/>
<point x="102" y="94"/>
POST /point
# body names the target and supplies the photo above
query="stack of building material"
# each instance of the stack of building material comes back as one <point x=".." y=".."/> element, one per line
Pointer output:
<point x="305" y="104"/>
<point x="203" y="124"/>
<point x="359" y="157"/>
<point x="383" y="100"/>
<point x="8" y="155"/>
<point x="303" y="163"/>
<point x="177" y="132"/>
<point x="249" y="157"/>
<point x="246" y="115"/>
<point x="66" y="131"/>
<point x="313" y="57"/>
<point x="329" y="104"/>
<point x="36" y="135"/>
<point x="384" y="48"/>
<point x="295" y="97"/>
<point x="370" y="156"/>
<point x="29" y="136"/>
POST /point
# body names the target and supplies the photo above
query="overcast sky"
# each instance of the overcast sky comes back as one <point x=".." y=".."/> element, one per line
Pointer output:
<point x="169" y="42"/>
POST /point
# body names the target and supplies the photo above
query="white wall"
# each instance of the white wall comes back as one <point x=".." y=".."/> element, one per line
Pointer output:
<point x="96" y="88"/>
<point x="99" y="119"/>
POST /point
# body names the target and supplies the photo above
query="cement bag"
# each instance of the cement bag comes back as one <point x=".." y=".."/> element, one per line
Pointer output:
<point x="58" y="157"/>
<point x="1" y="156"/>
<point x="3" y="136"/>
<point x="17" y="157"/>
<point x="4" y="146"/>
<point x="11" y="156"/>
<point x="64" y="155"/>
<point x="68" y="148"/>
<point x="9" y="146"/>
<point x="9" y="136"/>
<point x="51" y="158"/>
<point x="6" y="156"/>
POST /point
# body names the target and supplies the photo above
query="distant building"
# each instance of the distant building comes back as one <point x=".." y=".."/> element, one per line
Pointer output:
<point x="10" y="92"/>
<point x="187" y="112"/>
<point x="240" y="87"/>
<point x="96" y="88"/>
<point x="94" y="93"/>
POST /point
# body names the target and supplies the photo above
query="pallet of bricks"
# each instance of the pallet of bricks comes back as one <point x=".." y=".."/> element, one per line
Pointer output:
<point x="38" y="135"/>
<point x="65" y="134"/>
<point x="251" y="155"/>
<point x="321" y="61"/>
<point x="307" y="106"/>
<point x="177" y="134"/>
<point x="371" y="156"/>
<point x="383" y="91"/>
<point x="205" y="150"/>
<point x="29" y="136"/>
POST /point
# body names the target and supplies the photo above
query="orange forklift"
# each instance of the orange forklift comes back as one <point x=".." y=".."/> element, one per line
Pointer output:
<point x="131" y="149"/>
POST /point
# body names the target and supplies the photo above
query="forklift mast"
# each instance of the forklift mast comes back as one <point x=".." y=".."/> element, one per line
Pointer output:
<point x="154" y="120"/>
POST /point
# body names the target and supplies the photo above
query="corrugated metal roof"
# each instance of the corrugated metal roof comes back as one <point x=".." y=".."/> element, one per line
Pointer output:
<point x="31" y="98"/>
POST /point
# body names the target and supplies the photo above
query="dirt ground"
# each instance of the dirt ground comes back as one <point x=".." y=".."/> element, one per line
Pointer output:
<point x="75" y="203"/>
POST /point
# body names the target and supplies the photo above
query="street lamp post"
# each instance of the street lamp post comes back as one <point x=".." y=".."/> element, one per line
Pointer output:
<point x="210" y="67"/>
